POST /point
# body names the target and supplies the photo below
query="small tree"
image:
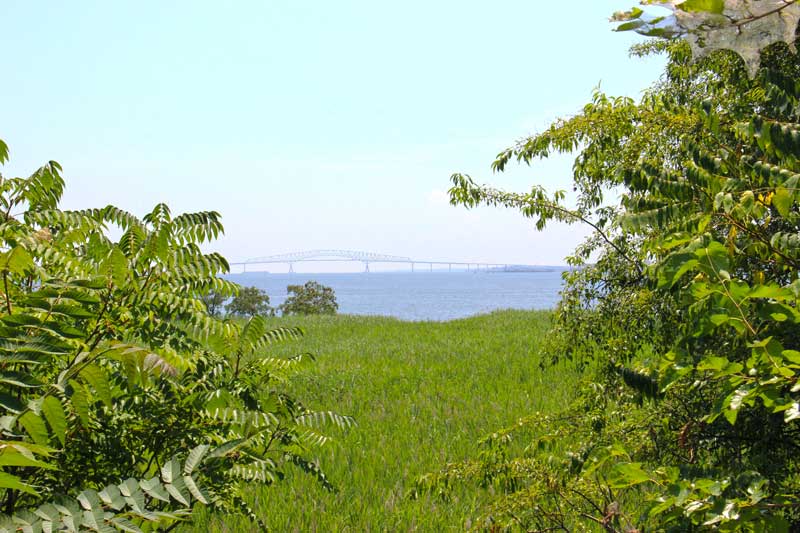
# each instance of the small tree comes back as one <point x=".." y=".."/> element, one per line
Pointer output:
<point x="310" y="299"/>
<point x="251" y="301"/>
<point x="214" y="301"/>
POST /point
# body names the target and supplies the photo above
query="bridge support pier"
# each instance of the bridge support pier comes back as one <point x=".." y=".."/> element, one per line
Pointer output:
<point x="291" y="268"/>
<point x="366" y="266"/>
<point x="450" y="267"/>
<point x="412" y="267"/>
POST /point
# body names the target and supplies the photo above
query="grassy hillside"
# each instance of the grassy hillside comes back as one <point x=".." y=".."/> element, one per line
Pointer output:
<point x="422" y="393"/>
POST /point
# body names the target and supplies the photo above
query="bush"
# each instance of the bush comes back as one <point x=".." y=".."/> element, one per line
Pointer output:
<point x="684" y="314"/>
<point x="112" y="369"/>
<point x="251" y="301"/>
<point x="310" y="299"/>
<point x="214" y="301"/>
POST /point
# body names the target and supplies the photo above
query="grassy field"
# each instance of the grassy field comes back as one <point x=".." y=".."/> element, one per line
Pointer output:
<point x="422" y="393"/>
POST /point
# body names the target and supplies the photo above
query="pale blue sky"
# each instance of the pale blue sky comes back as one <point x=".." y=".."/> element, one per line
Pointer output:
<point x="309" y="124"/>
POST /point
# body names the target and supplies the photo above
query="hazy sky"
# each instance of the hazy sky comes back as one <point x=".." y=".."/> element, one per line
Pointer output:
<point x="316" y="124"/>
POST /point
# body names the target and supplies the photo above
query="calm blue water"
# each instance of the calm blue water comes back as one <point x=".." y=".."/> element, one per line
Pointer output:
<point x="421" y="295"/>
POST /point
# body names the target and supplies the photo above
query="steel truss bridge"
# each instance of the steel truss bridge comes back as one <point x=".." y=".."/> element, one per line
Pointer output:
<point x="367" y="258"/>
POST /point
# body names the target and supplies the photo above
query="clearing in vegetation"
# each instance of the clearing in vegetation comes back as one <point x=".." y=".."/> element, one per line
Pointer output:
<point x="422" y="394"/>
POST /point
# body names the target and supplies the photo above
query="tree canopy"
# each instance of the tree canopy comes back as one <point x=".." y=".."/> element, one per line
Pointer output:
<point x="684" y="310"/>
<point x="250" y="301"/>
<point x="312" y="298"/>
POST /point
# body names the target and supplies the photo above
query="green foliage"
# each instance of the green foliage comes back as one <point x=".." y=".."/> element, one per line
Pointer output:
<point x="249" y="302"/>
<point x="112" y="368"/>
<point x="214" y="302"/>
<point x="685" y="320"/>
<point x="312" y="298"/>
<point x="121" y="506"/>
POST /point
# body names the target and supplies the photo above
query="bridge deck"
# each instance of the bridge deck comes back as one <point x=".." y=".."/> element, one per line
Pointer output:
<point x="367" y="258"/>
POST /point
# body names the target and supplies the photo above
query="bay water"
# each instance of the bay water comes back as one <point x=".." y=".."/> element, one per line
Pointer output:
<point x="421" y="295"/>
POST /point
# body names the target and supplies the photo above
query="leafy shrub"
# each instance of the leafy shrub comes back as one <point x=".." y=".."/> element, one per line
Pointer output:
<point x="310" y="299"/>
<point x="122" y="399"/>
<point x="250" y="301"/>
<point x="686" y="321"/>
<point x="214" y="302"/>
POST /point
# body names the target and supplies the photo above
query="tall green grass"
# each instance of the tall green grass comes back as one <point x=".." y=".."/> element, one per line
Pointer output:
<point x="422" y="393"/>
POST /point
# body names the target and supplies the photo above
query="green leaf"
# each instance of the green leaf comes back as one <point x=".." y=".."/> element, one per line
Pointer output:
<point x="194" y="458"/>
<point x="171" y="470"/>
<point x="773" y="291"/>
<point x="136" y="500"/>
<point x="19" y="379"/>
<point x="715" y="256"/>
<point x="782" y="200"/>
<point x="734" y="403"/>
<point x="195" y="490"/>
<point x="154" y="489"/>
<point x="53" y="412"/>
<point x="632" y="25"/>
<point x="674" y="267"/>
<point x="79" y="400"/>
<point x="89" y="500"/>
<point x="9" y="481"/>
<point x="115" y="267"/>
<point x="720" y="366"/>
<point x="112" y="497"/>
<point x="11" y="457"/>
<point x="124" y="524"/>
<point x="793" y="356"/>
<point x="16" y="261"/>
<point x="35" y="427"/>
<point x="708" y="6"/>
<point x="719" y="319"/>
<point x="95" y="520"/>
<point x="48" y="512"/>
<point x="177" y="489"/>
<point x="627" y="474"/>
<point x="96" y="377"/>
